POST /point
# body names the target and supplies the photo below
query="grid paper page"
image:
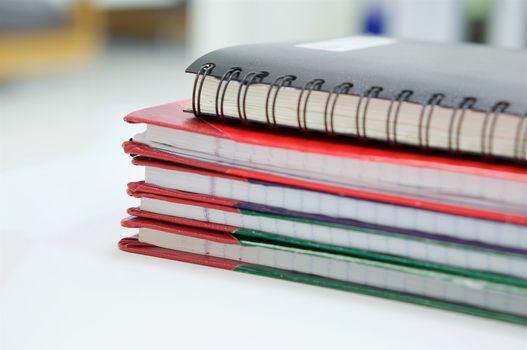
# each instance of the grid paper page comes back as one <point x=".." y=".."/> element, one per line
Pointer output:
<point x="434" y="285"/>
<point x="424" y="183"/>
<point x="305" y="201"/>
<point x="424" y="250"/>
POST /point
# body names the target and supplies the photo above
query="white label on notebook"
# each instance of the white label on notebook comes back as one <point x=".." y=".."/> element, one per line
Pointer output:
<point x="349" y="43"/>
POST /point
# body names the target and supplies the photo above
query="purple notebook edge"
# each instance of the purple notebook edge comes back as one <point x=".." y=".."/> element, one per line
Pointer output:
<point x="388" y="229"/>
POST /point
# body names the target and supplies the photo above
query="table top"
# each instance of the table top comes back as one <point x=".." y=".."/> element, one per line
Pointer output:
<point x="64" y="284"/>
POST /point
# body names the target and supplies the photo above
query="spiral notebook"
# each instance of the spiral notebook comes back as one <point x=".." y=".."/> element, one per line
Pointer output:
<point x="461" y="98"/>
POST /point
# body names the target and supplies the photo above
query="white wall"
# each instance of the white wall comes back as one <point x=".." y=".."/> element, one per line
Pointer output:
<point x="218" y="23"/>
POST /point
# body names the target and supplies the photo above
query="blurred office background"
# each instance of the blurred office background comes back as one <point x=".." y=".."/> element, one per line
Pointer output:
<point x="46" y="35"/>
<point x="70" y="67"/>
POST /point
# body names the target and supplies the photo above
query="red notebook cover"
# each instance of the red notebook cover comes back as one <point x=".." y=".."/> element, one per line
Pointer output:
<point x="140" y="190"/>
<point x="131" y="244"/>
<point x="173" y="116"/>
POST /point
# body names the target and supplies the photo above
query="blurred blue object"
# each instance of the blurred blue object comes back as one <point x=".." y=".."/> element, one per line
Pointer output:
<point x="374" y="19"/>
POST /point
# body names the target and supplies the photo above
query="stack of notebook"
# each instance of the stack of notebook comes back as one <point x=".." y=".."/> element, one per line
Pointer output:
<point x="406" y="180"/>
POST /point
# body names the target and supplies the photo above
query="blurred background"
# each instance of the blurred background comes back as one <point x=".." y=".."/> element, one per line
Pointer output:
<point x="48" y="35"/>
<point x="67" y="67"/>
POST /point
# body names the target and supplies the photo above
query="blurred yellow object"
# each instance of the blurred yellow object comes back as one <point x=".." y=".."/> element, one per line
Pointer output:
<point x="42" y="50"/>
<point x="148" y="23"/>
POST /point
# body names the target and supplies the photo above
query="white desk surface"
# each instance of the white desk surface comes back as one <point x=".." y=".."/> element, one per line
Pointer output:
<point x="65" y="285"/>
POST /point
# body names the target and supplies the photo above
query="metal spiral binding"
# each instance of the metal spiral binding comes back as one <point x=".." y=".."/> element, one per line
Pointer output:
<point x="372" y="92"/>
<point x="524" y="143"/>
<point x="403" y="96"/>
<point x="432" y="102"/>
<point x="314" y="84"/>
<point x="520" y="144"/>
<point x="486" y="147"/>
<point x="205" y="70"/>
<point x="467" y="102"/>
<point x="249" y="79"/>
<point x="279" y="82"/>
<point x="454" y="128"/>
<point x="336" y="91"/>
<point x="232" y="73"/>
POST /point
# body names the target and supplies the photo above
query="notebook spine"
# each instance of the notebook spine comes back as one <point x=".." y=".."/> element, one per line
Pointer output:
<point x="454" y="126"/>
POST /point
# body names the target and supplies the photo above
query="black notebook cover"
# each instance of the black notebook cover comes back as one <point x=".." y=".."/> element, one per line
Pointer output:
<point x="458" y="71"/>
